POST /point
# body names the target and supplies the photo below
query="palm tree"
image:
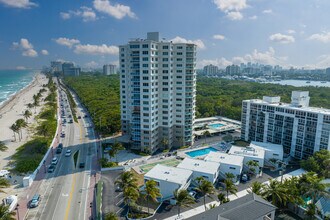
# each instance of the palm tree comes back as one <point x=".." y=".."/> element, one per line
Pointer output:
<point x="222" y="198"/>
<point x="212" y="206"/>
<point x="30" y="105"/>
<point x="230" y="187"/>
<point x="256" y="187"/>
<point x="204" y="187"/>
<point x="131" y="195"/>
<point x="311" y="211"/>
<point x="276" y="192"/>
<point x="183" y="199"/>
<point x="230" y="176"/>
<point x="164" y="143"/>
<point x="4" y="183"/>
<point x="152" y="191"/>
<point x="126" y="179"/>
<point x="252" y="166"/>
<point x="314" y="188"/>
<point x="111" y="216"/>
<point x="3" y="147"/>
<point x="27" y="114"/>
<point x="20" y="124"/>
<point x="5" y="214"/>
<point x="15" y="129"/>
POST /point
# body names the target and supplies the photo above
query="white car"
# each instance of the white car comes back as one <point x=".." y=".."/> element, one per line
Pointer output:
<point x="68" y="153"/>
<point x="54" y="160"/>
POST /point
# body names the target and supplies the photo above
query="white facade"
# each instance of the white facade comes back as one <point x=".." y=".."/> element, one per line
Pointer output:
<point x="302" y="130"/>
<point x="200" y="168"/>
<point x="169" y="179"/>
<point x="210" y="69"/>
<point x="249" y="153"/>
<point x="228" y="163"/>
<point x="109" y="69"/>
<point x="271" y="150"/>
<point x="158" y="92"/>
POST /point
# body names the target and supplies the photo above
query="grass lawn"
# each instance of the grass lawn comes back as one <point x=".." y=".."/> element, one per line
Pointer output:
<point x="241" y="143"/>
<point x="171" y="163"/>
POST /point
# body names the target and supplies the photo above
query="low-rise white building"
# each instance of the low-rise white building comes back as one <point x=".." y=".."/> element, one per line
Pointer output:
<point x="249" y="153"/>
<point x="169" y="179"/>
<point x="200" y="168"/>
<point x="228" y="163"/>
<point x="271" y="150"/>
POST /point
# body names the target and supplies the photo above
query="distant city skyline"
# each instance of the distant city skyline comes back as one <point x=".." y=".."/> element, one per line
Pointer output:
<point x="279" y="32"/>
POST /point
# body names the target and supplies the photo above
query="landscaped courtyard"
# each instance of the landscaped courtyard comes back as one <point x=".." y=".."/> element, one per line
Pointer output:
<point x="171" y="163"/>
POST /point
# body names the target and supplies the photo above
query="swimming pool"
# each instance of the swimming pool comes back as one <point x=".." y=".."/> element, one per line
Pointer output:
<point x="201" y="152"/>
<point x="216" y="126"/>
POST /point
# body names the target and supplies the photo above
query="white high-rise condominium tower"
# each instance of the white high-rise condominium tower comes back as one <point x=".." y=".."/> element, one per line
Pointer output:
<point x="109" y="69"/>
<point x="302" y="130"/>
<point x="158" y="92"/>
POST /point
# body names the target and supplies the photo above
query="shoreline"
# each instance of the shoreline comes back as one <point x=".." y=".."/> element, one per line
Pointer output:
<point x="17" y="94"/>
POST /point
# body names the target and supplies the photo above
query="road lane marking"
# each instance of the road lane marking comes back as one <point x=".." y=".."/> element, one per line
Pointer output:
<point x="120" y="201"/>
<point x="67" y="210"/>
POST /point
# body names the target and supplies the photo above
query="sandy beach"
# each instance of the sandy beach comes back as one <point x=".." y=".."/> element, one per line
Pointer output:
<point x="12" y="110"/>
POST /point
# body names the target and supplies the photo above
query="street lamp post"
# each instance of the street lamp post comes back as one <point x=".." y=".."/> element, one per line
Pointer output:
<point x="17" y="211"/>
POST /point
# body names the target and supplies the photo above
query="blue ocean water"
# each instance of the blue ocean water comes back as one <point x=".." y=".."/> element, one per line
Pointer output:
<point x="11" y="81"/>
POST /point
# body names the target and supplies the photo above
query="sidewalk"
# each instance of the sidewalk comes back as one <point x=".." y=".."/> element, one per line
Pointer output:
<point x="240" y="194"/>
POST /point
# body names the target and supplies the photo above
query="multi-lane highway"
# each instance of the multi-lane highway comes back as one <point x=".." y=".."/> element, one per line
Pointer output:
<point x="65" y="191"/>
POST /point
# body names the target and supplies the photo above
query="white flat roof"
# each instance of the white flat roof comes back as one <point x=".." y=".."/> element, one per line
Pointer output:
<point x="170" y="174"/>
<point x="224" y="158"/>
<point x="290" y="106"/>
<point x="199" y="165"/>
<point x="267" y="146"/>
<point x="247" y="151"/>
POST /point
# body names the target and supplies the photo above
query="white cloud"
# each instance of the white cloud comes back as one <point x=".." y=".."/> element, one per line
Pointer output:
<point x="96" y="49"/>
<point x="92" y="64"/>
<point x="218" y="37"/>
<point x="200" y="44"/>
<point x="282" y="38"/>
<point x="267" y="57"/>
<point x="254" y="17"/>
<point x="220" y="62"/>
<point x="291" y="31"/>
<point x="26" y="47"/>
<point x="86" y="13"/>
<point x="65" y="15"/>
<point x="24" y="4"/>
<point x="44" y="52"/>
<point x="117" y="11"/>
<point x="322" y="37"/>
<point x="230" y="5"/>
<point x="235" y="15"/>
<point x="66" y="41"/>
<point x="267" y="11"/>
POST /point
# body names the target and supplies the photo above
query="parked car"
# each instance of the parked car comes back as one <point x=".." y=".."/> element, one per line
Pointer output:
<point x="62" y="135"/>
<point x="35" y="201"/>
<point x="244" y="178"/>
<point x="168" y="207"/>
<point x="54" y="161"/>
<point x="192" y="193"/>
<point x="51" y="168"/>
<point x="60" y="145"/>
<point x="68" y="153"/>
<point x="79" y="117"/>
<point x="82" y="165"/>
<point x="70" y="121"/>
<point x="118" y="189"/>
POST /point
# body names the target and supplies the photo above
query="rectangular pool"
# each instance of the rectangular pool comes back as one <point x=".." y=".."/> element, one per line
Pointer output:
<point x="216" y="126"/>
<point x="201" y="152"/>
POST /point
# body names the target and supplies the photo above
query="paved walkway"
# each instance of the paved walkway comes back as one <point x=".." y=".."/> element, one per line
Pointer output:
<point x="242" y="193"/>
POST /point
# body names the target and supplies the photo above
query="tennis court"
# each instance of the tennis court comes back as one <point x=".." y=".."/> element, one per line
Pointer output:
<point x="171" y="163"/>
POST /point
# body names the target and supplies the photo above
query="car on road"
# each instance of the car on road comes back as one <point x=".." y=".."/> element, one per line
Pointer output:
<point x="62" y="135"/>
<point x="58" y="150"/>
<point x="82" y="165"/>
<point x="244" y="178"/>
<point x="60" y="145"/>
<point x="68" y="153"/>
<point x="79" y="117"/>
<point x="51" y="168"/>
<point x="85" y="116"/>
<point x="70" y="121"/>
<point x="54" y="161"/>
<point x="118" y="189"/>
<point x="35" y="201"/>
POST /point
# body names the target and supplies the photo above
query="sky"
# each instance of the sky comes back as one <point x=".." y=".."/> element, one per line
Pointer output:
<point x="276" y="32"/>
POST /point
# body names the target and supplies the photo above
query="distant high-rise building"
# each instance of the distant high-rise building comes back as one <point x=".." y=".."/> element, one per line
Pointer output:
<point x="210" y="70"/>
<point x="158" y="92"/>
<point x="56" y="66"/>
<point x="233" y="70"/>
<point x="302" y="130"/>
<point x="327" y="71"/>
<point x="109" y="69"/>
<point x="69" y="69"/>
